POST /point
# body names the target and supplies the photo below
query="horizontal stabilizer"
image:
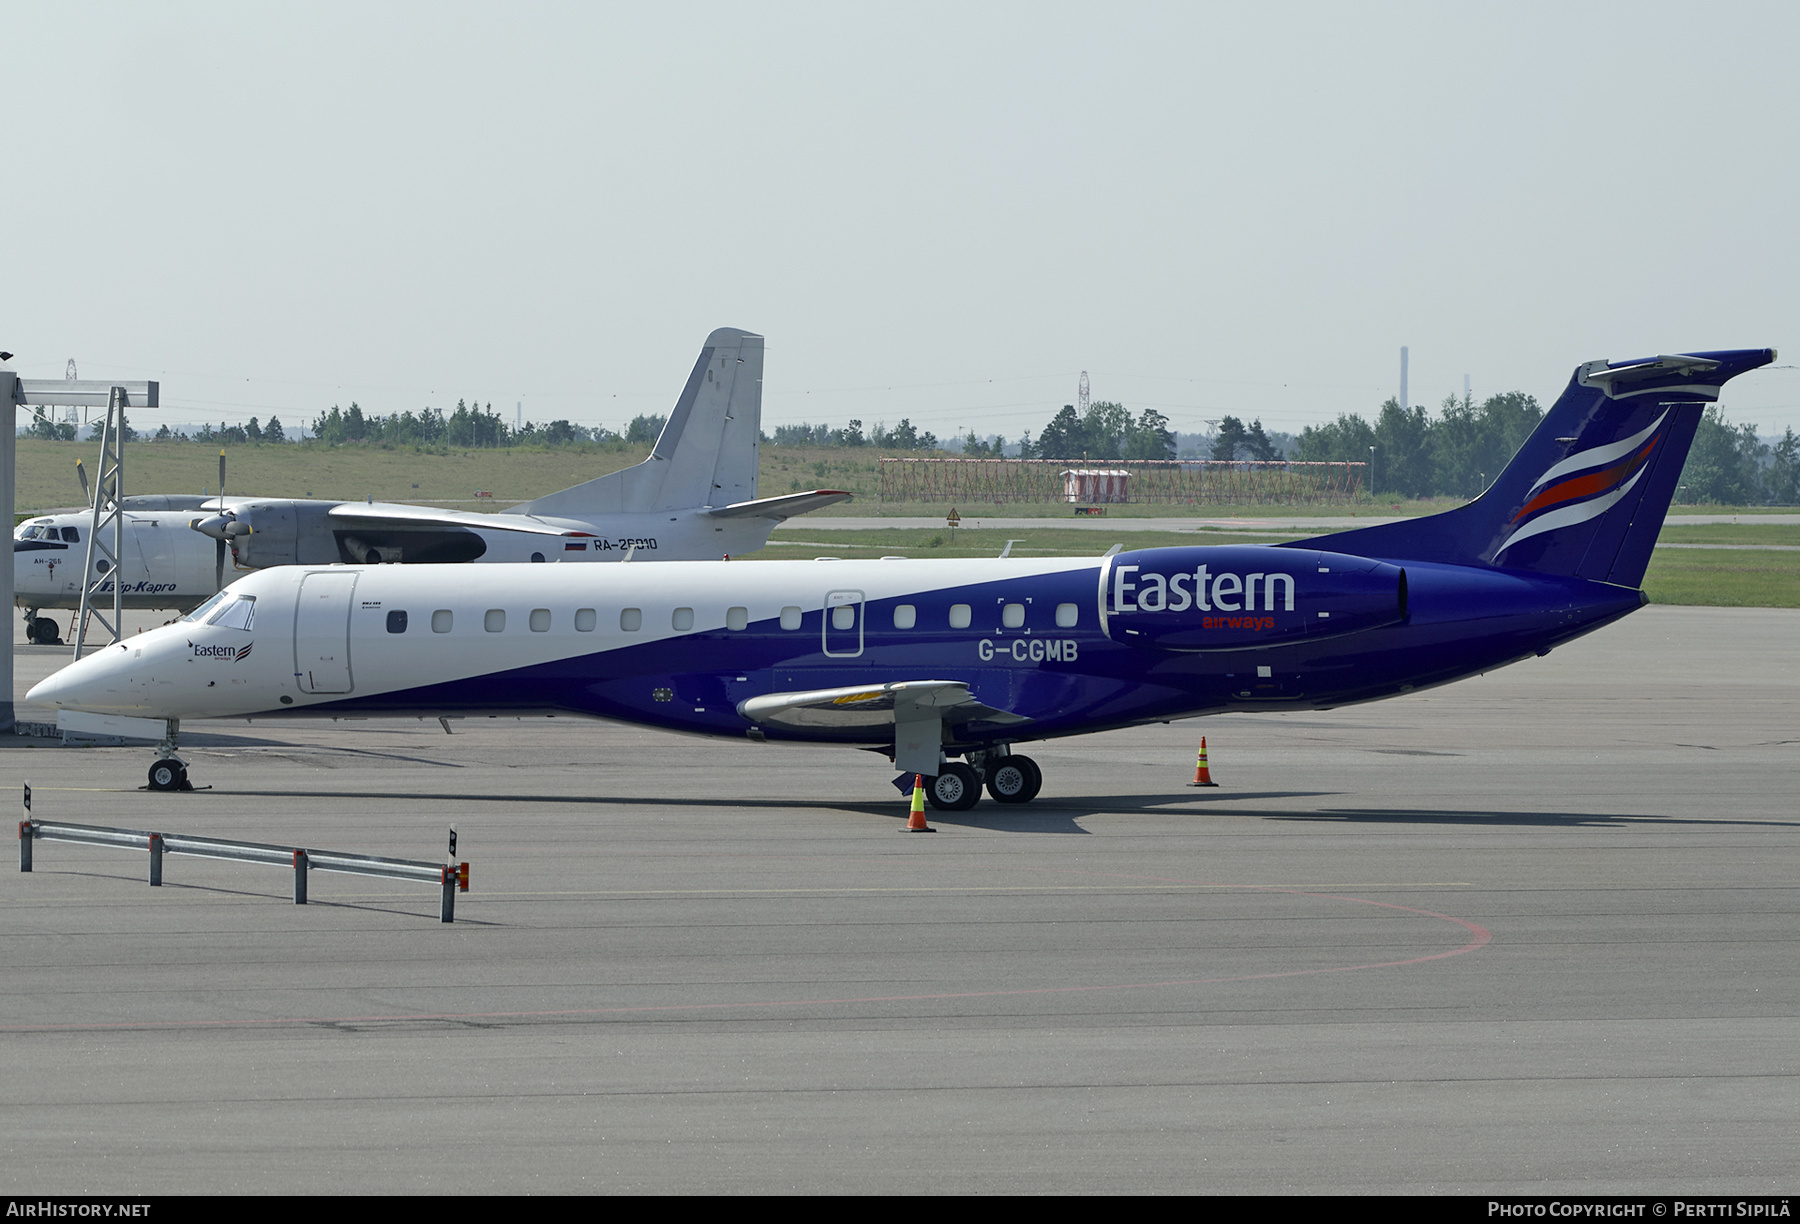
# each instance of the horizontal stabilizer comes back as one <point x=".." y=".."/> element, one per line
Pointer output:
<point x="780" y="508"/>
<point x="871" y="706"/>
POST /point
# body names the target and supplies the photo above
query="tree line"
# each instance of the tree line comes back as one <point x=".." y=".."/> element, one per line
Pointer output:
<point x="1412" y="453"/>
<point x="904" y="436"/>
<point x="1460" y="451"/>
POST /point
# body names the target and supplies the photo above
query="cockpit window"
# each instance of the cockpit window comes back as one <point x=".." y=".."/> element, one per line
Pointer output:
<point x="206" y="609"/>
<point x="240" y="613"/>
<point x="71" y="535"/>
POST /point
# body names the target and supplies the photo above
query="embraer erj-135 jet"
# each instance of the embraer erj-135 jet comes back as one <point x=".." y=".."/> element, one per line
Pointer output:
<point x="931" y="661"/>
<point x="694" y="498"/>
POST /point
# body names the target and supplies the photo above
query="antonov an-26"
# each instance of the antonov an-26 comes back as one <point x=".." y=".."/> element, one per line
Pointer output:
<point x="693" y="499"/>
<point x="949" y="666"/>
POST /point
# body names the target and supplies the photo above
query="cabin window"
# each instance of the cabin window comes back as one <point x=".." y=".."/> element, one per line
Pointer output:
<point x="737" y="619"/>
<point x="790" y="618"/>
<point x="396" y="621"/>
<point x="441" y="620"/>
<point x="537" y="558"/>
<point x="681" y="620"/>
<point x="843" y="616"/>
<point x="1012" y="616"/>
<point x="494" y="621"/>
<point x="540" y="620"/>
<point x="1067" y="615"/>
<point x="585" y="620"/>
<point x="905" y="616"/>
<point x="959" y="616"/>
<point x="631" y="619"/>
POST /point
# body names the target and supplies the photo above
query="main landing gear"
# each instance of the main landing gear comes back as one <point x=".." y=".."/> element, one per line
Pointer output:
<point x="1009" y="779"/>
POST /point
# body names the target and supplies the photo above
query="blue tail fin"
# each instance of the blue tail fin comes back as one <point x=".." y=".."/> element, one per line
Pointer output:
<point x="1586" y="495"/>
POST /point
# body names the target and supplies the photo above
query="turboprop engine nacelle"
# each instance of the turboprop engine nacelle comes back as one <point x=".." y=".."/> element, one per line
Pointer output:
<point x="1232" y="597"/>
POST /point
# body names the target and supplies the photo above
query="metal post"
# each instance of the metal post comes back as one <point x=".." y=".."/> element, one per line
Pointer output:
<point x="9" y="415"/>
<point x="25" y="845"/>
<point x="109" y="495"/>
<point x="156" y="851"/>
<point x="299" y="877"/>
<point x="447" y="906"/>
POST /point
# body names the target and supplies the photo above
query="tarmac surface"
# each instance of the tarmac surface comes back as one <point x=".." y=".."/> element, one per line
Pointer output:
<point x="1538" y="932"/>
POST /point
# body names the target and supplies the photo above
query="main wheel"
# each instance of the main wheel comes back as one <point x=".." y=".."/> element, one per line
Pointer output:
<point x="955" y="789"/>
<point x="1016" y="779"/>
<point x="167" y="775"/>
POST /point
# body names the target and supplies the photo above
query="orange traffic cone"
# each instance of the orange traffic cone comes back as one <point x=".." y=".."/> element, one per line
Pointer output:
<point x="1202" y="776"/>
<point x="915" y="823"/>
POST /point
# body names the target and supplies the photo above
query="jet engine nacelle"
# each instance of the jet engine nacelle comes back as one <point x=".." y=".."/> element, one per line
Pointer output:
<point x="1228" y="598"/>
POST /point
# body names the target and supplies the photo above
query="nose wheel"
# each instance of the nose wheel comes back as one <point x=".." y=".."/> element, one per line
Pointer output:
<point x="170" y="774"/>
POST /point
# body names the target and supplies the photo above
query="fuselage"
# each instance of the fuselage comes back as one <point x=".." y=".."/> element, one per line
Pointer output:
<point x="1063" y="646"/>
<point x="161" y="564"/>
<point x="166" y="564"/>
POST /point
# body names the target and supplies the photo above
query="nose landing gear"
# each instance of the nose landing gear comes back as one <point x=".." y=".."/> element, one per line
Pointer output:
<point x="40" y="630"/>
<point x="170" y="772"/>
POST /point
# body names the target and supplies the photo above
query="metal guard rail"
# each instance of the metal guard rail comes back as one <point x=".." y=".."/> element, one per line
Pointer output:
<point x="450" y="878"/>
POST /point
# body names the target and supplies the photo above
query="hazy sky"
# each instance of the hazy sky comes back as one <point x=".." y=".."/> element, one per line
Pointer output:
<point x="942" y="212"/>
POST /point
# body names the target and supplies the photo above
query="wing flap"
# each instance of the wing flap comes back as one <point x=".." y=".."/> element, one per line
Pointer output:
<point x="872" y="706"/>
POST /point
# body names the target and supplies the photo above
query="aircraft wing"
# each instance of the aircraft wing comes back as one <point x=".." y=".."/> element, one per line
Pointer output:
<point x="783" y="507"/>
<point x="395" y="515"/>
<point x="871" y="706"/>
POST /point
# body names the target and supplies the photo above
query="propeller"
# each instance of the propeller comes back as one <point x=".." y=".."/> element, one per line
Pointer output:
<point x="219" y="548"/>
<point x="85" y="491"/>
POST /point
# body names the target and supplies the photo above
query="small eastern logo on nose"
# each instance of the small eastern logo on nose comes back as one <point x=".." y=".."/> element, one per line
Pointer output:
<point x="233" y="654"/>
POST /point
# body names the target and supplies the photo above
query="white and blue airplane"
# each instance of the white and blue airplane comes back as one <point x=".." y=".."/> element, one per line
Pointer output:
<point x="693" y="499"/>
<point x="949" y="666"/>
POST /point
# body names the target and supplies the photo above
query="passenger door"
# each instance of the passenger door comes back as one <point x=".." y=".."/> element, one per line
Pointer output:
<point x="322" y="633"/>
<point x="843" y="624"/>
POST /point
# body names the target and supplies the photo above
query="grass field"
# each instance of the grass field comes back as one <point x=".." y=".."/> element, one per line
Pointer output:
<point x="1724" y="579"/>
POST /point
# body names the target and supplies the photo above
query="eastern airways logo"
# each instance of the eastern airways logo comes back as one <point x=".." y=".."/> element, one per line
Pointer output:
<point x="1585" y="485"/>
<point x="234" y="654"/>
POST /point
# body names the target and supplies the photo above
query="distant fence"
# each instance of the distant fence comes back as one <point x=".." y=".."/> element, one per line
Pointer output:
<point x="1198" y="482"/>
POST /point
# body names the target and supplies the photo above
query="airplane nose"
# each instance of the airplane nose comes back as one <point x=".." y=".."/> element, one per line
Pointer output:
<point x="51" y="690"/>
<point x="91" y="684"/>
